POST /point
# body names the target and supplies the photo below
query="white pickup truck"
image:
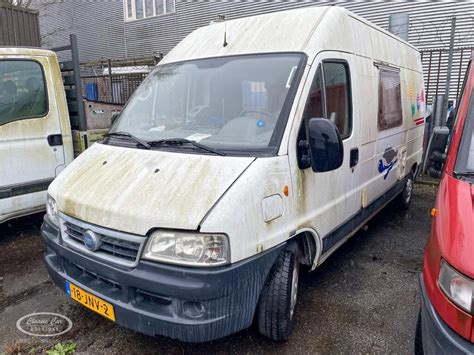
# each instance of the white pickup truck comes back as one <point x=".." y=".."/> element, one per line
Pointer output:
<point x="44" y="123"/>
<point x="35" y="132"/>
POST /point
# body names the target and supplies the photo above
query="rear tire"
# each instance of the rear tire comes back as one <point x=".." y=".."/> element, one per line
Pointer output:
<point x="404" y="198"/>
<point x="278" y="298"/>
<point x="418" y="336"/>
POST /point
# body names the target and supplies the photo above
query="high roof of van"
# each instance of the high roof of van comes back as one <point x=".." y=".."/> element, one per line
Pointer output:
<point x="308" y="30"/>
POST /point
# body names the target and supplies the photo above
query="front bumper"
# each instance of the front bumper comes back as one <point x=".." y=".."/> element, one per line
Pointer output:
<point x="438" y="337"/>
<point x="189" y="304"/>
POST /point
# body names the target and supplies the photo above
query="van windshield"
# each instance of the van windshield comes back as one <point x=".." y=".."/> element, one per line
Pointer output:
<point x="234" y="104"/>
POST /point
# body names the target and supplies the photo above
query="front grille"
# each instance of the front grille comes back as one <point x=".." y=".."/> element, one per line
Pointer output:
<point x="152" y="298"/>
<point x="118" y="247"/>
<point x="79" y="273"/>
<point x="104" y="286"/>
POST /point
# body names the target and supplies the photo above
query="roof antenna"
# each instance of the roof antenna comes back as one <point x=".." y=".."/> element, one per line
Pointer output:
<point x="221" y="18"/>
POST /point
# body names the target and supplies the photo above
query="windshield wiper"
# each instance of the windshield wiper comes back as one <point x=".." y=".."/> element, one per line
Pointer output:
<point x="464" y="174"/>
<point x="130" y="137"/>
<point x="181" y="141"/>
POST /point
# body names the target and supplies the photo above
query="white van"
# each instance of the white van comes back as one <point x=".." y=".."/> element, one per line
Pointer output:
<point x="35" y="134"/>
<point x="256" y="145"/>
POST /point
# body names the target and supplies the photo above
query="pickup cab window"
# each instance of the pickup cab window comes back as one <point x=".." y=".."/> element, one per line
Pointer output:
<point x="22" y="90"/>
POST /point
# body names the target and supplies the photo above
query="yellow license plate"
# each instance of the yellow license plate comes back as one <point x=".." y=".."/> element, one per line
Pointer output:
<point x="90" y="301"/>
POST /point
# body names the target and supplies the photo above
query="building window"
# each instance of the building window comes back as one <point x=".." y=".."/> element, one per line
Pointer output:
<point x="390" y="100"/>
<point x="330" y="96"/>
<point x="138" y="9"/>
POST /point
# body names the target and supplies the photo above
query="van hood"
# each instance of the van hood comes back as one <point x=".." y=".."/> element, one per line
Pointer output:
<point x="135" y="190"/>
<point x="455" y="223"/>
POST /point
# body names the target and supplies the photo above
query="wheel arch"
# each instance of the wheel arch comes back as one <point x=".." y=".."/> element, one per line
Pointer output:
<point x="309" y="246"/>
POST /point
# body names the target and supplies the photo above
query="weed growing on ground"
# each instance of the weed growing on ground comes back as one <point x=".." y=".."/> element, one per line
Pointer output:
<point x="62" y="349"/>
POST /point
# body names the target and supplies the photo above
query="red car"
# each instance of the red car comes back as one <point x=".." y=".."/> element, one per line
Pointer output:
<point x="446" y="320"/>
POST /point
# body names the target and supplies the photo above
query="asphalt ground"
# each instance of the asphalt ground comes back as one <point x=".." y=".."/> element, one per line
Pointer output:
<point x="363" y="299"/>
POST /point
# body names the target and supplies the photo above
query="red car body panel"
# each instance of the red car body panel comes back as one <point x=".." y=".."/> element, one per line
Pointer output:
<point x="452" y="230"/>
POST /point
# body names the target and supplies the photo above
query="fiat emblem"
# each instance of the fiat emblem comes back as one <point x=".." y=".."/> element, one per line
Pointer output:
<point x="91" y="240"/>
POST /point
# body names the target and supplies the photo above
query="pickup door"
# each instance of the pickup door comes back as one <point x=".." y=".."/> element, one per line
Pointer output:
<point x="31" y="148"/>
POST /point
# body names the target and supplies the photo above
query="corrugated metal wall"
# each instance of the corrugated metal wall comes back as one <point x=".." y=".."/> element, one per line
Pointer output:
<point x="97" y="24"/>
<point x="19" y="27"/>
<point x="103" y="33"/>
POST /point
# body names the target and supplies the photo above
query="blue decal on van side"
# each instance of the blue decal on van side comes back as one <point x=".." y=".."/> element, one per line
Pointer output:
<point x="388" y="167"/>
<point x="388" y="156"/>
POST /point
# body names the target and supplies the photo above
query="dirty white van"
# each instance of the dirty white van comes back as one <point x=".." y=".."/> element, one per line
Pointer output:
<point x="255" y="146"/>
<point x="35" y="134"/>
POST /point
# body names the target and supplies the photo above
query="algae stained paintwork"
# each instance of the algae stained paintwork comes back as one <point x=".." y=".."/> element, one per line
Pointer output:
<point x="27" y="161"/>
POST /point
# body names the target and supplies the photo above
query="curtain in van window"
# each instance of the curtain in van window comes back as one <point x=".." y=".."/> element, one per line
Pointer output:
<point x="22" y="90"/>
<point x="390" y="101"/>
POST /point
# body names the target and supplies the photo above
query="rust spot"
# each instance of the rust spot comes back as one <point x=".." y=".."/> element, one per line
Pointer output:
<point x="285" y="191"/>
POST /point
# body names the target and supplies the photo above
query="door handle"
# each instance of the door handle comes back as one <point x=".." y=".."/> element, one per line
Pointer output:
<point x="55" y="140"/>
<point x="354" y="157"/>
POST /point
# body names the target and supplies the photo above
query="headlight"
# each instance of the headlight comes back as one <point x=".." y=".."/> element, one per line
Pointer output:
<point x="458" y="288"/>
<point x="191" y="249"/>
<point x="52" y="210"/>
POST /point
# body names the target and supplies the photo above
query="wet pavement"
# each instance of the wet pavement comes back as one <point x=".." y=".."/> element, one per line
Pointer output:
<point x="363" y="299"/>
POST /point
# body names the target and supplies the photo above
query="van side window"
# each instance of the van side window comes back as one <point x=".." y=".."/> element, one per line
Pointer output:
<point x="337" y="87"/>
<point x="330" y="96"/>
<point x="390" y="100"/>
<point x="22" y="90"/>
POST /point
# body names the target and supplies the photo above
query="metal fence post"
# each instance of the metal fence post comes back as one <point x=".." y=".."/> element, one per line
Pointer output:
<point x="450" y="66"/>
<point x="438" y="111"/>
<point x="110" y="81"/>
<point x="77" y="82"/>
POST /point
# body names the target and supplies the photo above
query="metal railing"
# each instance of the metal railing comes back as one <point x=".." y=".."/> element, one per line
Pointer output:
<point x="115" y="88"/>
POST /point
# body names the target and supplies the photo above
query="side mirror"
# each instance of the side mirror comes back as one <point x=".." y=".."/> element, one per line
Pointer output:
<point x="325" y="145"/>
<point x="435" y="155"/>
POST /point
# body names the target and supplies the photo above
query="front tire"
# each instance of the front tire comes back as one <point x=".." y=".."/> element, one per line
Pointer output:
<point x="277" y="303"/>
